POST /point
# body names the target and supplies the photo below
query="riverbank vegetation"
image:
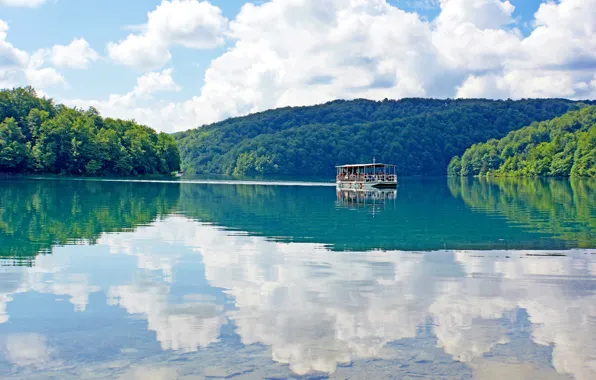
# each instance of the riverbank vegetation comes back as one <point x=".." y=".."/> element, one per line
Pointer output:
<point x="420" y="136"/>
<point x="562" y="147"/>
<point x="38" y="136"/>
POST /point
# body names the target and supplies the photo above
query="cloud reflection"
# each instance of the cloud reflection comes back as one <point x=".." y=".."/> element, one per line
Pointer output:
<point x="318" y="309"/>
<point x="184" y="327"/>
<point x="27" y="350"/>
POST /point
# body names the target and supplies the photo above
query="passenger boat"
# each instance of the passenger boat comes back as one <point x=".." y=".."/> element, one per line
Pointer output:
<point x="366" y="176"/>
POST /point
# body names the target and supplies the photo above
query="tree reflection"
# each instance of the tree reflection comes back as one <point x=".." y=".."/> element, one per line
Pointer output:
<point x="565" y="209"/>
<point x="37" y="215"/>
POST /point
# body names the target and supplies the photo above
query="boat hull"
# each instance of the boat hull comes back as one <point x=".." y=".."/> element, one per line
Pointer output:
<point x="359" y="185"/>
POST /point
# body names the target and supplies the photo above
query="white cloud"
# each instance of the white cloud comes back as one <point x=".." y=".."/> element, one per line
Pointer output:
<point x="140" y="51"/>
<point x="39" y="76"/>
<point x="16" y="64"/>
<point x="12" y="60"/>
<point x="483" y="14"/>
<point x="190" y="23"/>
<point x="154" y="82"/>
<point x="44" y="77"/>
<point x="129" y="105"/>
<point x="303" y="52"/>
<point x="22" y="3"/>
<point x="78" y="54"/>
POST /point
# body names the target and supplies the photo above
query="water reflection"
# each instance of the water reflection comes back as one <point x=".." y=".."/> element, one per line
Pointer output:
<point x="187" y="294"/>
<point x="27" y="350"/>
<point x="561" y="208"/>
<point x="425" y="214"/>
<point x="371" y="200"/>
<point x="37" y="215"/>
<point x="330" y="312"/>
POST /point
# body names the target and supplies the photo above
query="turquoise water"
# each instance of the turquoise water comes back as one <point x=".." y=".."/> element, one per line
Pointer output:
<point x="442" y="278"/>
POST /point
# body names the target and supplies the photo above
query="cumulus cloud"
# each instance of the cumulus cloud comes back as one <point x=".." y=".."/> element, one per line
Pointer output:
<point x="78" y="54"/>
<point x="189" y="23"/>
<point x="39" y="76"/>
<point x="130" y="104"/>
<point x="12" y="60"/>
<point x="153" y="82"/>
<point x="22" y="3"/>
<point x="304" y="52"/>
<point x="16" y="64"/>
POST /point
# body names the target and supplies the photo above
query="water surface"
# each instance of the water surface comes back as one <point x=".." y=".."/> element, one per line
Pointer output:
<point x="460" y="279"/>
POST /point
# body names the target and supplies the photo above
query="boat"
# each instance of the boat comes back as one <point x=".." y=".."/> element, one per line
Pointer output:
<point x="366" y="176"/>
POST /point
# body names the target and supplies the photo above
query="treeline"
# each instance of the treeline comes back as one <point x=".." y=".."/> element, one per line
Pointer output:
<point x="562" y="147"/>
<point x="37" y="136"/>
<point x="419" y="135"/>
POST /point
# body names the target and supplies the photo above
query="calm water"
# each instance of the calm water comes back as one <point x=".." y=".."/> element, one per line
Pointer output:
<point x="440" y="279"/>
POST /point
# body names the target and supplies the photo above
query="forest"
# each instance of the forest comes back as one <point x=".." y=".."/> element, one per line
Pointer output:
<point x="562" y="147"/>
<point x="420" y="136"/>
<point x="38" y="136"/>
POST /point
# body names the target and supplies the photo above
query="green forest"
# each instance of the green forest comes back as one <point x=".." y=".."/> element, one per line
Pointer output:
<point x="562" y="147"/>
<point x="420" y="136"/>
<point x="38" y="136"/>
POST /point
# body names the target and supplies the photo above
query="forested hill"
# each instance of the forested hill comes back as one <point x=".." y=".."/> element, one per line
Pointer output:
<point x="564" y="146"/>
<point x="37" y="136"/>
<point x="419" y="135"/>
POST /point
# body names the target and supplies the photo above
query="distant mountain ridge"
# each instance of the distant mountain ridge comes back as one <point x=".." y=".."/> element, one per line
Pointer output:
<point x="562" y="147"/>
<point x="420" y="136"/>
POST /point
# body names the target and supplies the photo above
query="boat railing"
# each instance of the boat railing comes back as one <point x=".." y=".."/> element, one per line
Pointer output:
<point x="368" y="178"/>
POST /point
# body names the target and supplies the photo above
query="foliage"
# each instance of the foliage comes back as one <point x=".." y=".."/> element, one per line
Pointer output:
<point x="562" y="147"/>
<point x="37" y="136"/>
<point x="419" y="135"/>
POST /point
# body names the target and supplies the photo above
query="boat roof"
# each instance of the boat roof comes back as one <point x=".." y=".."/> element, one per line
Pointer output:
<point x="363" y="165"/>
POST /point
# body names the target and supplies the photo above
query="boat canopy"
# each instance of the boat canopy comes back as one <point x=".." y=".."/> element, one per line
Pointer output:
<point x="375" y="165"/>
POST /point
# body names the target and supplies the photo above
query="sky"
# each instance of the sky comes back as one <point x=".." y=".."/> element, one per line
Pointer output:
<point x="180" y="64"/>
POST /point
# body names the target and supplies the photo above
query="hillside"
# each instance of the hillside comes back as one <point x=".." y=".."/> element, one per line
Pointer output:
<point x="419" y="135"/>
<point x="37" y="136"/>
<point x="564" y="146"/>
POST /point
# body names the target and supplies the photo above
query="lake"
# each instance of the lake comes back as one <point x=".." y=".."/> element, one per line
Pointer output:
<point x="442" y="278"/>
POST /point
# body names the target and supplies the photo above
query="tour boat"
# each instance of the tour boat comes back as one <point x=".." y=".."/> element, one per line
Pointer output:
<point x="366" y="176"/>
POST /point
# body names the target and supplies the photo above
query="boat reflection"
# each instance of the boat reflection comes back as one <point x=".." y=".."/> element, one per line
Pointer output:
<point x="375" y="199"/>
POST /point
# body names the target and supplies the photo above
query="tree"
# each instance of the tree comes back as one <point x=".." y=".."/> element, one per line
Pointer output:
<point x="562" y="147"/>
<point x="14" y="152"/>
<point x="41" y="137"/>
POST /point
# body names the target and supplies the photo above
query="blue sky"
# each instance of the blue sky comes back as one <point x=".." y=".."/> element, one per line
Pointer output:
<point x="291" y="52"/>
